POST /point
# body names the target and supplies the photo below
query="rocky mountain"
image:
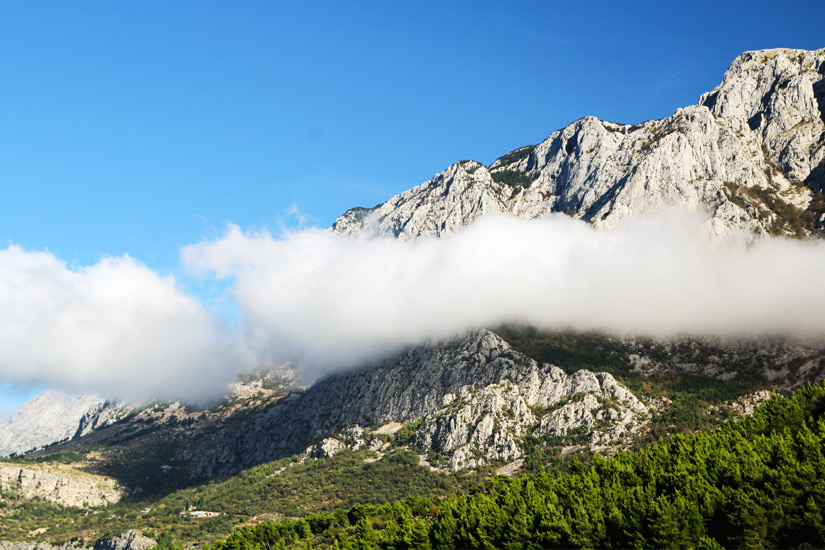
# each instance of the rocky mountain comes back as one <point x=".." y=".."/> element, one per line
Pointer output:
<point x="474" y="398"/>
<point x="55" y="416"/>
<point x="751" y="153"/>
<point x="466" y="402"/>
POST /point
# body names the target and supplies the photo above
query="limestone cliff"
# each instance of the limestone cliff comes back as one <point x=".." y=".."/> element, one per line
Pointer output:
<point x="474" y="395"/>
<point x="751" y="153"/>
<point x="58" y="483"/>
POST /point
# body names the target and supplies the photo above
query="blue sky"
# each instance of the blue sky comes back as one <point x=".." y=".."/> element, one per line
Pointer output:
<point x="140" y="127"/>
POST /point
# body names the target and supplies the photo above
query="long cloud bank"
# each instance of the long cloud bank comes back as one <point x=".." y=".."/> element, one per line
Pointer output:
<point x="329" y="302"/>
<point x="333" y="301"/>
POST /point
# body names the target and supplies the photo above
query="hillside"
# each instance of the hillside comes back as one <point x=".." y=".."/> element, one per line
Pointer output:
<point x="754" y="483"/>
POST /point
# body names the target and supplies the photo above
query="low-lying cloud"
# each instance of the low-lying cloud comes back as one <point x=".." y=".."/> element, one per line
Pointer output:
<point x="328" y="302"/>
<point x="116" y="328"/>
<point x="332" y="301"/>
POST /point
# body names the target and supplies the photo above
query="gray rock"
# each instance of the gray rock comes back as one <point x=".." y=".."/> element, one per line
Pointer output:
<point x="130" y="540"/>
<point x="100" y="415"/>
<point x="488" y="424"/>
<point x="61" y="485"/>
<point x="327" y="448"/>
<point x="761" y="128"/>
<point x="54" y="416"/>
<point x="474" y="395"/>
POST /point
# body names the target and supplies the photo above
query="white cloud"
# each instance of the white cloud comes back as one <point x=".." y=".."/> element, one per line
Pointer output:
<point x="294" y="212"/>
<point x="116" y="328"/>
<point x="334" y="301"/>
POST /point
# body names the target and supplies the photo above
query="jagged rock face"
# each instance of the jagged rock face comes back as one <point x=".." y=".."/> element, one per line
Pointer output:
<point x="778" y="96"/>
<point x="762" y="128"/>
<point x="451" y="200"/>
<point x="100" y="415"/>
<point x="487" y="424"/>
<point x="479" y="371"/>
<point x="478" y="426"/>
<point x="64" y="486"/>
<point x="54" y="416"/>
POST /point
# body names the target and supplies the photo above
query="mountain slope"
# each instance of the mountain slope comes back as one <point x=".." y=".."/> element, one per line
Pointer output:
<point x="751" y="153"/>
<point x="54" y="416"/>
<point x="752" y="484"/>
<point x="438" y="384"/>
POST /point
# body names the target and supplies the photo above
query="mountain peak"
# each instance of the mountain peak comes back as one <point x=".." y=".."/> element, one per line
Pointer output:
<point x="751" y="154"/>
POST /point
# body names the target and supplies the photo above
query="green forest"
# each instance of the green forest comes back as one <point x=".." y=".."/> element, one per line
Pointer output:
<point x="756" y="482"/>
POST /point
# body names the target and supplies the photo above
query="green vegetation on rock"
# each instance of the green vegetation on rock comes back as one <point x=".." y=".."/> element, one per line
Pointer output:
<point x="515" y="156"/>
<point x="512" y="178"/>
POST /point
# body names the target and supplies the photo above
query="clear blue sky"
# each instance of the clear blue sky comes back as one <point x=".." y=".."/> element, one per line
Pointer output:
<point x="140" y="127"/>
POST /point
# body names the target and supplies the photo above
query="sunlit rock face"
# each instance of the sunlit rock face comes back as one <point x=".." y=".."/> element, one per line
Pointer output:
<point x="55" y="416"/>
<point x="754" y="143"/>
<point x="59" y="484"/>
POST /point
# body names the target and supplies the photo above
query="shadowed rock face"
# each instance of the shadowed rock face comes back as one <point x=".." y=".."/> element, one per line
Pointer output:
<point x="762" y="127"/>
<point x="473" y="393"/>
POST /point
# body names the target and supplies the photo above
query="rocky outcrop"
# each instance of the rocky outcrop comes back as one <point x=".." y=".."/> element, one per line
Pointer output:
<point x="450" y="201"/>
<point x="59" y="484"/>
<point x="750" y="154"/>
<point x="744" y="406"/>
<point x="328" y="448"/>
<point x="474" y="396"/>
<point x="54" y="416"/>
<point x="130" y="540"/>
<point x="478" y="426"/>
<point x="100" y="415"/>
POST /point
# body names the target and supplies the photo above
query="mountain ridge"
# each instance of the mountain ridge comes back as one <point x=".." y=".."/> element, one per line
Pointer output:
<point x="753" y="159"/>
